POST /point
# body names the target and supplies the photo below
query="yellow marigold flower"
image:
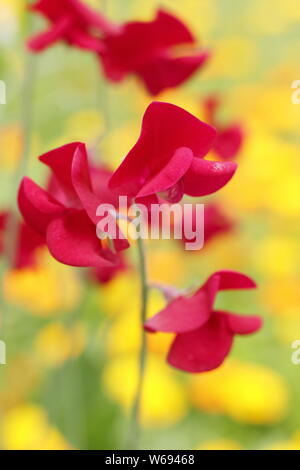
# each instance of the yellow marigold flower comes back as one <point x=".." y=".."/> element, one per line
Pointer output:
<point x="246" y="392"/>
<point x="26" y="427"/>
<point x="164" y="400"/>
<point x="56" y="343"/>
<point x="220" y="444"/>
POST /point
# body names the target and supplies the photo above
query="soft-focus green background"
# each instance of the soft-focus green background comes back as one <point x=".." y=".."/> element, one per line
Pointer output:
<point x="71" y="345"/>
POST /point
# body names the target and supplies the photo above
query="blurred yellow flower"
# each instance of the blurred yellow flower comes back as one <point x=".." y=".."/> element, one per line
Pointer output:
<point x="233" y="56"/>
<point x="280" y="15"/>
<point x="277" y="256"/>
<point x="49" y="289"/>
<point x="261" y="184"/>
<point x="128" y="321"/>
<point x="11" y="146"/>
<point x="56" y="343"/>
<point x="26" y="427"/>
<point x="13" y="391"/>
<point x="220" y="444"/>
<point x="290" y="444"/>
<point x="246" y="392"/>
<point x="282" y="296"/>
<point x="164" y="400"/>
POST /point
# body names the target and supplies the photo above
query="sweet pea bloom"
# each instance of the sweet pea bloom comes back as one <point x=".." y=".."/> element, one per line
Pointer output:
<point x="204" y="336"/>
<point x="216" y="222"/>
<point x="168" y="159"/>
<point x="71" y="21"/>
<point x="229" y="138"/>
<point x="27" y="242"/>
<point x="66" y="214"/>
<point x="146" y="49"/>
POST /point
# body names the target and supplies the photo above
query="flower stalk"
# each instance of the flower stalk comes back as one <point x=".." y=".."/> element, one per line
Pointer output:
<point x="136" y="406"/>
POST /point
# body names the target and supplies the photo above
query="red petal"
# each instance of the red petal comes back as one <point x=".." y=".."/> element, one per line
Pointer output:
<point x="243" y="325"/>
<point x="181" y="315"/>
<point x="170" y="174"/>
<point x="203" y="349"/>
<point x="92" y="17"/>
<point x="234" y="280"/>
<point x="206" y="177"/>
<point x="85" y="41"/>
<point x="37" y="206"/>
<point x="28" y="241"/>
<point x="55" y="33"/>
<point x="72" y="240"/>
<point x="60" y="161"/>
<point x="83" y="186"/>
<point x="228" y="142"/>
<point x="165" y="129"/>
<point x="168" y="72"/>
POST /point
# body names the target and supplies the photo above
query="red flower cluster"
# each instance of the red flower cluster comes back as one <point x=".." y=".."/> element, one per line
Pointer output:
<point x="229" y="138"/>
<point x="168" y="158"/>
<point x="204" y="336"/>
<point x="146" y="49"/>
<point x="65" y="215"/>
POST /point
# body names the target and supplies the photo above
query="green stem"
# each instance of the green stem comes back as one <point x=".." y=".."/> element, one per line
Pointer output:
<point x="134" y="431"/>
<point x="26" y="125"/>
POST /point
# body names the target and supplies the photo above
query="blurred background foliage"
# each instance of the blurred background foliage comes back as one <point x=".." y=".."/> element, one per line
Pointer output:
<point x="71" y="343"/>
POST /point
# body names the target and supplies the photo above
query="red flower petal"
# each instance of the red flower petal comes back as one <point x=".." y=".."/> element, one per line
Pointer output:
<point x="182" y="315"/>
<point x="229" y="142"/>
<point x="165" y="129"/>
<point x="202" y="349"/>
<point x="83" y="186"/>
<point x="243" y="324"/>
<point x="72" y="240"/>
<point x="37" y="206"/>
<point x="205" y="177"/>
<point x="55" y="33"/>
<point x="85" y="41"/>
<point x="170" y="174"/>
<point x="60" y="161"/>
<point x="234" y="280"/>
<point x="168" y="72"/>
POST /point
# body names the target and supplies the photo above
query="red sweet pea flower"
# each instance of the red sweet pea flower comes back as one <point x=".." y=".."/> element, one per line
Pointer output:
<point x="229" y="138"/>
<point x="215" y="222"/>
<point x="168" y="158"/>
<point x="66" y="214"/>
<point x="147" y="50"/>
<point x="27" y="243"/>
<point x="71" y="21"/>
<point x="203" y="336"/>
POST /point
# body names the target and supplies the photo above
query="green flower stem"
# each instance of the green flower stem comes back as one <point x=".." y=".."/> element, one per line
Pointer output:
<point x="26" y="126"/>
<point x="134" y="431"/>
